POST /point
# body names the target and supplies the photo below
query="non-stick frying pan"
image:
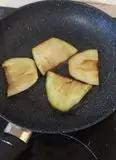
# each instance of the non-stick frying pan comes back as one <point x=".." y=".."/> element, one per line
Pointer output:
<point x="55" y="147"/>
<point x="79" y="24"/>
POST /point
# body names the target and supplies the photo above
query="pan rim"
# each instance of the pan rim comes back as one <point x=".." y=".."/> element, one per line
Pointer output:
<point x="65" y="131"/>
<point x="58" y="1"/>
<point x="75" y="140"/>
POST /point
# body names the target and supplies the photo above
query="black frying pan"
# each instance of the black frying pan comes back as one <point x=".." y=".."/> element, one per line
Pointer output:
<point x="55" y="147"/>
<point x="81" y="25"/>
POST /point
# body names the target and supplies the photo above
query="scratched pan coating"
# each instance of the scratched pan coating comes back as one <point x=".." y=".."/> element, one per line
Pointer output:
<point x="79" y="24"/>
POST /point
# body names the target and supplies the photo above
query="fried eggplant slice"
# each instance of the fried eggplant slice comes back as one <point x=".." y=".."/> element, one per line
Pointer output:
<point x="21" y="73"/>
<point x="63" y="93"/>
<point x="84" y="67"/>
<point x="51" y="53"/>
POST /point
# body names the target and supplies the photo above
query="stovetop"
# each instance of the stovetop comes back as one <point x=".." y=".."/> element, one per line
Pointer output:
<point x="101" y="138"/>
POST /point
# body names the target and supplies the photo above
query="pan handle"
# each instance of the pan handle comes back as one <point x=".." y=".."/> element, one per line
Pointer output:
<point x="10" y="147"/>
<point x="14" y="142"/>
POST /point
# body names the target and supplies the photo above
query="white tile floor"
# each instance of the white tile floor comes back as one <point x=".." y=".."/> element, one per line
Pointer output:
<point x="19" y="3"/>
<point x="16" y="3"/>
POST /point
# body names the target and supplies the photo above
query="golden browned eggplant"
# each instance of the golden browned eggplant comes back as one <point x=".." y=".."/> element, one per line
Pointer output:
<point x="63" y="93"/>
<point x="21" y="73"/>
<point x="51" y="53"/>
<point x="84" y="67"/>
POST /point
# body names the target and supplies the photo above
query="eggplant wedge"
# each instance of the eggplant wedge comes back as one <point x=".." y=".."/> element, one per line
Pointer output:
<point x="63" y="93"/>
<point x="51" y="53"/>
<point x="84" y="67"/>
<point x="21" y="73"/>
